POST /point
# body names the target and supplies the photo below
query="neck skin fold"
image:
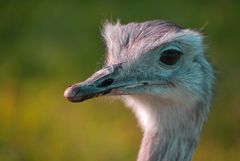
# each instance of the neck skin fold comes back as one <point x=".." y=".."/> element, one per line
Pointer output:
<point x="170" y="128"/>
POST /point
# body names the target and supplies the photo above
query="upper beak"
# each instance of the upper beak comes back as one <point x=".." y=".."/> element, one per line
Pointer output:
<point x="100" y="83"/>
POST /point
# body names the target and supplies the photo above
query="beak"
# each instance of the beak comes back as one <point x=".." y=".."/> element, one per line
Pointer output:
<point x="100" y="83"/>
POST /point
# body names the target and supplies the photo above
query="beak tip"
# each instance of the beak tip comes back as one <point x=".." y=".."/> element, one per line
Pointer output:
<point x="69" y="93"/>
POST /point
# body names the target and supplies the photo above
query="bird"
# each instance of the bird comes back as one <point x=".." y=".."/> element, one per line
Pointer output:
<point x="163" y="74"/>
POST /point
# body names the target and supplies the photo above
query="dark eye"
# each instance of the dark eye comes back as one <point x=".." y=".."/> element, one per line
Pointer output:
<point x="170" y="57"/>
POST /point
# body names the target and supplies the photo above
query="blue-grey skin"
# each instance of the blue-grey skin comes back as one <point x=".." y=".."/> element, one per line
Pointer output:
<point x="171" y="102"/>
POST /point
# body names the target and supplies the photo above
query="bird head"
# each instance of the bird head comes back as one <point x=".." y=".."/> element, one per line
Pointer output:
<point x="156" y="58"/>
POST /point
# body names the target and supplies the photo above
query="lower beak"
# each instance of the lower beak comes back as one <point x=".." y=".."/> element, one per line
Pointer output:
<point x="100" y="83"/>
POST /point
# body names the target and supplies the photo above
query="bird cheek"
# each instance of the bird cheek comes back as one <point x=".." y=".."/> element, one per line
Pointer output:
<point x="117" y="92"/>
<point x="123" y="91"/>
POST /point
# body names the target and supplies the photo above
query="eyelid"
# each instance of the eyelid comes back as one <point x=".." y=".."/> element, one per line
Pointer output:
<point x="171" y="47"/>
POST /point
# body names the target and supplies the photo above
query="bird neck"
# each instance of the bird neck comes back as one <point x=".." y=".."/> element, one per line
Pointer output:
<point x="170" y="129"/>
<point x="159" y="147"/>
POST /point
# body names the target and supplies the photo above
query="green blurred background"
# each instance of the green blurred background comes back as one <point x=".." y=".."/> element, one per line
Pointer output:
<point x="47" y="45"/>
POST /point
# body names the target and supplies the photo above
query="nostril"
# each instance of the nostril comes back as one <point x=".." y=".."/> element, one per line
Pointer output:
<point x="106" y="82"/>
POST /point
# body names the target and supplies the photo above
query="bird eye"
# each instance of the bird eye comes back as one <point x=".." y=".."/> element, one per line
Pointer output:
<point x="170" y="57"/>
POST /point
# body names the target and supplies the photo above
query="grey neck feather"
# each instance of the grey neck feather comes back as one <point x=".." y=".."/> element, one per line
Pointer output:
<point x="156" y="147"/>
<point x="163" y="146"/>
<point x="176" y="133"/>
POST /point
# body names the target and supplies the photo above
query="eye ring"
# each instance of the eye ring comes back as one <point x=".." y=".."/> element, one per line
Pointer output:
<point x="170" y="57"/>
